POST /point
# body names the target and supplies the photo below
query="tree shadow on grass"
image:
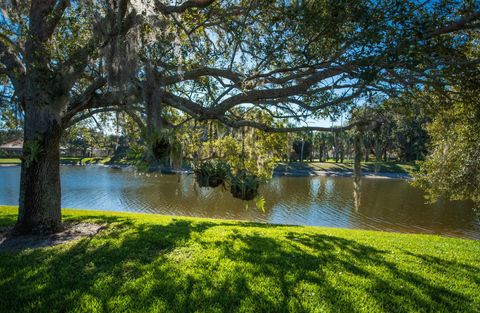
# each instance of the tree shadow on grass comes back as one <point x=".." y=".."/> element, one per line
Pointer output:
<point x="60" y="278"/>
<point x="450" y="268"/>
<point x="331" y="263"/>
<point x="388" y="167"/>
<point x="186" y="266"/>
<point x="402" y="288"/>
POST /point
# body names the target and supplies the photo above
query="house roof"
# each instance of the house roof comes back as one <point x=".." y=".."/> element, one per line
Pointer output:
<point x="18" y="144"/>
<point x="14" y="144"/>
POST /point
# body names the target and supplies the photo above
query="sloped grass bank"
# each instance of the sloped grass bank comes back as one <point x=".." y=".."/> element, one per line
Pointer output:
<point x="152" y="263"/>
<point x="63" y="160"/>
<point x="9" y="161"/>
<point x="347" y="166"/>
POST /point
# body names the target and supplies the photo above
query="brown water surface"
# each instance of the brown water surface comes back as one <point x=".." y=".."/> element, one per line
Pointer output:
<point x="385" y="204"/>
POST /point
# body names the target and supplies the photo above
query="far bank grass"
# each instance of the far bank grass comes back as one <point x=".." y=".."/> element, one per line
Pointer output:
<point x="347" y="166"/>
<point x="153" y="263"/>
<point x="385" y="167"/>
<point x="63" y="160"/>
<point x="9" y="161"/>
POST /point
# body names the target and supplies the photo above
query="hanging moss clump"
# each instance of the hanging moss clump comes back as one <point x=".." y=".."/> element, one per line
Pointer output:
<point x="244" y="185"/>
<point x="161" y="148"/>
<point x="211" y="174"/>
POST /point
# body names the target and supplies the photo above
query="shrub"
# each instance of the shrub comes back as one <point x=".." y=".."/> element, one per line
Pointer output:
<point x="211" y="174"/>
<point x="244" y="185"/>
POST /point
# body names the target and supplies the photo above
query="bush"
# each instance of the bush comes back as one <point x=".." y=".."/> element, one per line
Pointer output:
<point x="244" y="185"/>
<point x="211" y="174"/>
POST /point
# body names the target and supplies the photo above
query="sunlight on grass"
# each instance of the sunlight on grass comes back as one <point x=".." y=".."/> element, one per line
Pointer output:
<point x="9" y="161"/>
<point x="384" y="167"/>
<point x="63" y="160"/>
<point x="152" y="263"/>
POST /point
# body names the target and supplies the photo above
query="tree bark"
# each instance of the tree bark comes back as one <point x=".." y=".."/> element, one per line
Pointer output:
<point x="158" y="147"/>
<point x="378" y="155"/>
<point x="301" y="153"/>
<point x="357" y="172"/>
<point x="320" y="154"/>
<point x="342" y="153"/>
<point x="40" y="192"/>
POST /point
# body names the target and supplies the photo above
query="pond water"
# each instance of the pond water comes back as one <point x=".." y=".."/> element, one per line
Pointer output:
<point x="386" y="204"/>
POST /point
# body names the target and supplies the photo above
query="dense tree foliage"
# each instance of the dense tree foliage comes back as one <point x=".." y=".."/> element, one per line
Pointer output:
<point x="390" y="133"/>
<point x="452" y="168"/>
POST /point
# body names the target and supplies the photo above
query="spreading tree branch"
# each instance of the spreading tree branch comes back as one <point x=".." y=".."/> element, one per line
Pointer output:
<point x="169" y="9"/>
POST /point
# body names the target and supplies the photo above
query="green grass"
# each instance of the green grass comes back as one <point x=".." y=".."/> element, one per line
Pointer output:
<point x="95" y="160"/>
<point x="63" y="160"/>
<point x="70" y="160"/>
<point x="9" y="161"/>
<point x="385" y="167"/>
<point x="153" y="263"/>
<point x="123" y="161"/>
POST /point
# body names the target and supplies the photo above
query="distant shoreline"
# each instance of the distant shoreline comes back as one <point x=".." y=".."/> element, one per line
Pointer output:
<point x="337" y="173"/>
<point x="276" y="172"/>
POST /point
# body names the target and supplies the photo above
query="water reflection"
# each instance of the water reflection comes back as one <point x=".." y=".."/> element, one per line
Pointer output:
<point x="357" y="193"/>
<point x="391" y="205"/>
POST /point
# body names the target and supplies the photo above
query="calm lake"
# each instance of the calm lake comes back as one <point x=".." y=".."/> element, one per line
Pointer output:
<point x="386" y="204"/>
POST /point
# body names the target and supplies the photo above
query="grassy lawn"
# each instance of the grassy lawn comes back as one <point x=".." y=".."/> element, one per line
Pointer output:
<point x="386" y="167"/>
<point x="63" y="160"/>
<point x="9" y="161"/>
<point x="95" y="160"/>
<point x="153" y="263"/>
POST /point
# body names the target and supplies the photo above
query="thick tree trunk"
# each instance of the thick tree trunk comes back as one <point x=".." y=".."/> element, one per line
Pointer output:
<point x="40" y="195"/>
<point x="320" y="154"/>
<point x="342" y="153"/>
<point x="301" y="153"/>
<point x="378" y="155"/>
<point x="158" y="147"/>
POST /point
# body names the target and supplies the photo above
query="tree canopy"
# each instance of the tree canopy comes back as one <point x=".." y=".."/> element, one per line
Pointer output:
<point x="291" y="59"/>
